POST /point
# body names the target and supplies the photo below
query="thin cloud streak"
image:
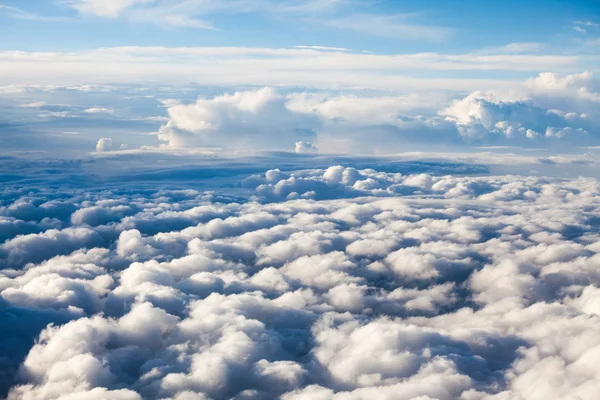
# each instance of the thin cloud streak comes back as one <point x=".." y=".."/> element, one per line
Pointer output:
<point x="398" y="27"/>
<point x="17" y="13"/>
<point x="280" y="67"/>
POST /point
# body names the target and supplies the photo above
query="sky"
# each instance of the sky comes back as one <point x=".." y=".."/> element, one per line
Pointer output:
<point x="405" y="26"/>
<point x="294" y="200"/>
<point x="211" y="74"/>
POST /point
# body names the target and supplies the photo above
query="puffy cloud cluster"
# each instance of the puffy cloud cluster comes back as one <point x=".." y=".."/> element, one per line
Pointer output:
<point x="544" y="111"/>
<point x="104" y="144"/>
<point x="345" y="182"/>
<point x="549" y="106"/>
<point x="323" y="284"/>
<point x="256" y="118"/>
<point x="305" y="147"/>
<point x="547" y="111"/>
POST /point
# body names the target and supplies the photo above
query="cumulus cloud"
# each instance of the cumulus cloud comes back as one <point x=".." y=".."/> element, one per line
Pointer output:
<point x="330" y="283"/>
<point x="104" y="144"/>
<point x="18" y="250"/>
<point x="547" y="111"/>
<point x="253" y="118"/>
<point x="550" y="106"/>
<point x="270" y="120"/>
<point x="550" y="110"/>
<point x="305" y="147"/>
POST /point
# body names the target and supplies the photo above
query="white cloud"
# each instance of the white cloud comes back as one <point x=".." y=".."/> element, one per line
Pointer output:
<point x="104" y="144"/>
<point x="98" y="110"/>
<point x="35" y="104"/>
<point x="393" y="285"/>
<point x="18" y="251"/>
<point x="305" y="147"/>
<point x="105" y="8"/>
<point x="182" y="21"/>
<point x="541" y="112"/>
<point x="186" y="13"/>
<point x="585" y="26"/>
<point x="365" y="110"/>
<point x="11" y="89"/>
<point x="255" y="118"/>
<point x="530" y="113"/>
<point x="548" y="111"/>
<point x="399" y="27"/>
<point x="264" y="66"/>
<point x="521" y="47"/>
<point x="194" y="14"/>
<point x="322" y="48"/>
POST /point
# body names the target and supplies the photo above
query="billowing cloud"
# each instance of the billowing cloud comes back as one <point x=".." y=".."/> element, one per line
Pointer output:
<point x="104" y="144"/>
<point x="549" y="106"/>
<point x="542" y="112"/>
<point x="477" y="118"/>
<point x="254" y="118"/>
<point x="305" y="147"/>
<point x="262" y="223"/>
<point x="328" y="283"/>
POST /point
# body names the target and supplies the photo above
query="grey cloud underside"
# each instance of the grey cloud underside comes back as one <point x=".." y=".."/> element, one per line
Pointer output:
<point x="325" y="283"/>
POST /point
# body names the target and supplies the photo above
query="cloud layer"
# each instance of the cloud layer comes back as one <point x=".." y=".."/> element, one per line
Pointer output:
<point x="547" y="111"/>
<point x="306" y="66"/>
<point x="337" y="283"/>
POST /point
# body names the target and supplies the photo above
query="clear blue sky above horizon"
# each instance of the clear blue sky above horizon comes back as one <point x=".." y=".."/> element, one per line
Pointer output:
<point x="383" y="26"/>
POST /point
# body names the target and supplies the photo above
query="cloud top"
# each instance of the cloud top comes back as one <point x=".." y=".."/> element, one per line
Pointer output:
<point x="104" y="144"/>
<point x="322" y="283"/>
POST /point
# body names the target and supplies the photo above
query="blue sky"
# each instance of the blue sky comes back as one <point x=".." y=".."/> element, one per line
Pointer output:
<point x="417" y="26"/>
<point x="404" y="27"/>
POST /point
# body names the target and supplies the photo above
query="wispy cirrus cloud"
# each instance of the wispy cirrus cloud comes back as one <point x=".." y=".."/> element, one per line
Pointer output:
<point x="115" y="8"/>
<point x="585" y="26"/>
<point x="176" y="13"/>
<point x="341" y="14"/>
<point x="314" y="67"/>
<point x="193" y="13"/>
<point x="516" y="48"/>
<point x="17" y="13"/>
<point x="400" y="27"/>
<point x="105" y="8"/>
